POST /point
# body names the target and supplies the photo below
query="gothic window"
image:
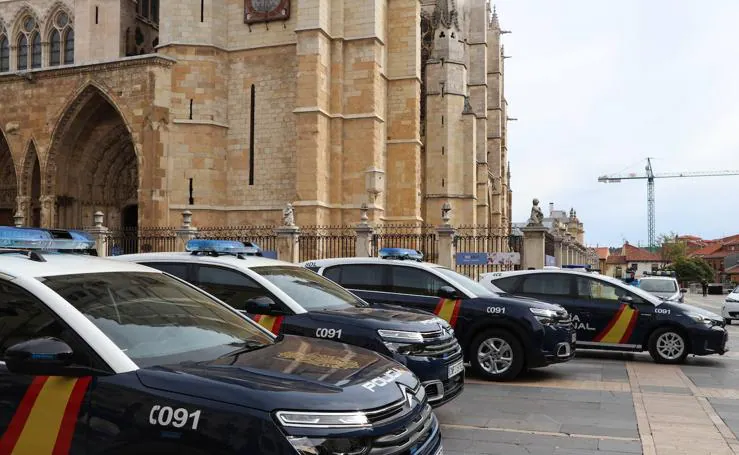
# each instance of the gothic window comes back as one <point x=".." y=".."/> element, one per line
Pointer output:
<point x="149" y="10"/>
<point x="61" y="40"/>
<point x="4" y="52"/>
<point x="29" y="44"/>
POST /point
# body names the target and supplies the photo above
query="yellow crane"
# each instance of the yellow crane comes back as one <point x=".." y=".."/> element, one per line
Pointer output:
<point x="650" y="176"/>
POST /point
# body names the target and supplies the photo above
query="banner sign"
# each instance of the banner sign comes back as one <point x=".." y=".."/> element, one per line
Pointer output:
<point x="488" y="258"/>
<point x="550" y="260"/>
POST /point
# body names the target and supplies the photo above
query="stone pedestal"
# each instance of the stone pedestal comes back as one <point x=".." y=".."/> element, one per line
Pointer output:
<point x="445" y="245"/>
<point x="534" y="255"/>
<point x="186" y="232"/>
<point x="364" y="240"/>
<point x="100" y="234"/>
<point x="558" y="250"/>
<point x="287" y="243"/>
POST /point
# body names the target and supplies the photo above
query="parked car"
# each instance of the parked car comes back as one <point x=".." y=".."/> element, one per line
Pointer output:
<point x="730" y="308"/>
<point x="500" y="336"/>
<point x="665" y="287"/>
<point x="611" y="315"/>
<point x="108" y="357"/>
<point x="288" y="299"/>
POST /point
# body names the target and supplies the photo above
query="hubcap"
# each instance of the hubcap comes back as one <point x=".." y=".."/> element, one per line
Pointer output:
<point x="495" y="355"/>
<point x="670" y="345"/>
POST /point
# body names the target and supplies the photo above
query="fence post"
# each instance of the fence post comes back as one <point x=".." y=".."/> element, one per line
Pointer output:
<point x="533" y="247"/>
<point x="100" y="234"/>
<point x="364" y="235"/>
<point x="287" y="243"/>
<point x="18" y="219"/>
<point x="186" y="232"/>
<point x="445" y="238"/>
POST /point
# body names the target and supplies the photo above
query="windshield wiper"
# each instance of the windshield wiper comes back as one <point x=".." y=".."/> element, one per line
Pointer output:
<point x="246" y="346"/>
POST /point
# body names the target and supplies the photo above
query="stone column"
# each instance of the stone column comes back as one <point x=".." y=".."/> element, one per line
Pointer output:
<point x="23" y="209"/>
<point x="364" y="235"/>
<point x="100" y="234"/>
<point x="445" y="238"/>
<point x="558" y="250"/>
<point x="287" y="243"/>
<point x="48" y="212"/>
<point x="534" y="255"/>
<point x="186" y="232"/>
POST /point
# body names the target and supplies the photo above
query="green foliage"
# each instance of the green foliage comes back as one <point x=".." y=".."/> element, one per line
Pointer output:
<point x="692" y="269"/>
<point x="672" y="249"/>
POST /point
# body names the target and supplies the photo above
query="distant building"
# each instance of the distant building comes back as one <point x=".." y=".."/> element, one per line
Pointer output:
<point x="631" y="259"/>
<point x="722" y="255"/>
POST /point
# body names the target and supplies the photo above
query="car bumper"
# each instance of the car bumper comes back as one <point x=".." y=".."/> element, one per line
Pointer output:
<point x="709" y="340"/>
<point x="434" y="374"/>
<point x="558" y="345"/>
<point x="730" y="310"/>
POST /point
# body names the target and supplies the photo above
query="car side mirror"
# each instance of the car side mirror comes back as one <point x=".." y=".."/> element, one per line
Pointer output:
<point x="448" y="292"/>
<point x="628" y="300"/>
<point x="260" y="305"/>
<point x="683" y="291"/>
<point x="39" y="357"/>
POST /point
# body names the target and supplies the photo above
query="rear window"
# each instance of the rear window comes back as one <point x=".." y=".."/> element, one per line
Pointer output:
<point x="507" y="284"/>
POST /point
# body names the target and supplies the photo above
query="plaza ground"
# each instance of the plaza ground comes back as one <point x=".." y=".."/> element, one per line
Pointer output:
<point x="605" y="404"/>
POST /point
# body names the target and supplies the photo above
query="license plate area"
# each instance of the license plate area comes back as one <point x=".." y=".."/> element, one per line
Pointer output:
<point x="455" y="369"/>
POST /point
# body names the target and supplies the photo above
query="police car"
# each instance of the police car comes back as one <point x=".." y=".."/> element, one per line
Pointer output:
<point x="109" y="357"/>
<point x="499" y="336"/>
<point x="611" y="315"/>
<point x="730" y="308"/>
<point x="663" y="284"/>
<point x="286" y="298"/>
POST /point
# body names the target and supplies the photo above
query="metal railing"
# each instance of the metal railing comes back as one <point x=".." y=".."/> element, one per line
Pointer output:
<point x="421" y="238"/>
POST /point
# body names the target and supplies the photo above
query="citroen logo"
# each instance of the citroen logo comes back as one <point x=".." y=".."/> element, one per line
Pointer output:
<point x="409" y="396"/>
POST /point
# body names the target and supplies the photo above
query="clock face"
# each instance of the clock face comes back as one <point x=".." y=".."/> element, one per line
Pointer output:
<point x="266" y="10"/>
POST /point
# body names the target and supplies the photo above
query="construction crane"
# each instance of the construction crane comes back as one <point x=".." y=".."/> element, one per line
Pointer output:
<point x="650" y="176"/>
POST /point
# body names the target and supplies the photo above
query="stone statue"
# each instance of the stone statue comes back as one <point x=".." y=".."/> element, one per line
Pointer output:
<point x="288" y="215"/>
<point x="537" y="216"/>
<point x="445" y="209"/>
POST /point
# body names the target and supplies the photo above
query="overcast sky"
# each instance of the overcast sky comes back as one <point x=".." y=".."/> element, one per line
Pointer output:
<point x="598" y="86"/>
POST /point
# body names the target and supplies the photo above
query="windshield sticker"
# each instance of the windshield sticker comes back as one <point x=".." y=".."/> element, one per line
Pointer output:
<point x="271" y="323"/>
<point x="381" y="381"/>
<point x="320" y="360"/>
<point x="448" y="310"/>
<point x="620" y="328"/>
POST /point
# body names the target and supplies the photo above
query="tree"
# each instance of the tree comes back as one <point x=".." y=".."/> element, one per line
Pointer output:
<point x="672" y="248"/>
<point x="693" y="269"/>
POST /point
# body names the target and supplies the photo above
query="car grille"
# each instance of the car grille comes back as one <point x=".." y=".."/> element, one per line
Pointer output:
<point x="734" y="314"/>
<point x="418" y="437"/>
<point x="439" y="344"/>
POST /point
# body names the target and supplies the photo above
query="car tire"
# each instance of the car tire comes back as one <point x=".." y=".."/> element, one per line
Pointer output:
<point x="668" y="345"/>
<point x="510" y="355"/>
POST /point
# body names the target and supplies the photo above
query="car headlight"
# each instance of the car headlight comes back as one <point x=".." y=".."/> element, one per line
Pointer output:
<point x="544" y="316"/>
<point x="323" y="419"/>
<point x="401" y="336"/>
<point x="731" y="299"/>
<point x="701" y="319"/>
<point x="321" y="446"/>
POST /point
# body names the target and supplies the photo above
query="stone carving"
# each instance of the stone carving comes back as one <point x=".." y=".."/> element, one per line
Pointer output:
<point x="537" y="216"/>
<point x="445" y="14"/>
<point x="445" y="209"/>
<point x="288" y="215"/>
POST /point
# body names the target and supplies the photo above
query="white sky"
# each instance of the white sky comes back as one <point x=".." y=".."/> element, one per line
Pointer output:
<point x="598" y="86"/>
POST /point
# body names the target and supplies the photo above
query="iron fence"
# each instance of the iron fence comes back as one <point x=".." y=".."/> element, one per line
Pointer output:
<point x="263" y="236"/>
<point x="483" y="239"/>
<point x="142" y="240"/>
<point x="322" y="242"/>
<point x="421" y="238"/>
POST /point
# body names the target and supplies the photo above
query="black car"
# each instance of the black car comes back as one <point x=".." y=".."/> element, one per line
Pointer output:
<point x="106" y="357"/>
<point x="500" y="336"/>
<point x="288" y="299"/>
<point x="611" y="315"/>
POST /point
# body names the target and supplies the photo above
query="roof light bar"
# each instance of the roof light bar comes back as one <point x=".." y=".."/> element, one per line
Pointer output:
<point x="44" y="239"/>
<point x="400" y="253"/>
<point x="223" y="247"/>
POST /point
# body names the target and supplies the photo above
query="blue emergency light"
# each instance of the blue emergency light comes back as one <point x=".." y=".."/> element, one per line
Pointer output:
<point x="44" y="239"/>
<point x="232" y="247"/>
<point x="400" y="253"/>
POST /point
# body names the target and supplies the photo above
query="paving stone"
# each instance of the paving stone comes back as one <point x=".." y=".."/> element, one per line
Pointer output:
<point x="660" y="389"/>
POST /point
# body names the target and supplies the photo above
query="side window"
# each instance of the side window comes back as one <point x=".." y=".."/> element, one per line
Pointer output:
<point x="508" y="284"/>
<point x="366" y="277"/>
<point x="546" y="284"/>
<point x="178" y="270"/>
<point x="23" y="317"/>
<point x="231" y="286"/>
<point x="410" y="280"/>
<point x="588" y="288"/>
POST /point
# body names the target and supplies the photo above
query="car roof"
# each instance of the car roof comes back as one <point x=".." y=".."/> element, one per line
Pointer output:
<point x="671" y="278"/>
<point x="368" y="260"/>
<point x="55" y="264"/>
<point x="245" y="263"/>
<point x="529" y="272"/>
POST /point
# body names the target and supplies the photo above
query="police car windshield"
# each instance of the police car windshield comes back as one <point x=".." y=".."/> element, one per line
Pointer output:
<point x="470" y="285"/>
<point x="308" y="289"/>
<point x="155" y="319"/>
<point x="657" y="285"/>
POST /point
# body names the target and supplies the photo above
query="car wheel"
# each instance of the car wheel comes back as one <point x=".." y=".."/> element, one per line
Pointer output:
<point x="668" y="345"/>
<point x="497" y="355"/>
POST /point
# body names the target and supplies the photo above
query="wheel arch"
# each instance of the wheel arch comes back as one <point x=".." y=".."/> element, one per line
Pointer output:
<point x="503" y="324"/>
<point x="668" y="324"/>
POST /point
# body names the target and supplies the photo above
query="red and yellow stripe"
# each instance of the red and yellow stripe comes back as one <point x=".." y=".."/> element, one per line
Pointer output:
<point x="271" y="323"/>
<point x="620" y="327"/>
<point x="448" y="310"/>
<point x="46" y="418"/>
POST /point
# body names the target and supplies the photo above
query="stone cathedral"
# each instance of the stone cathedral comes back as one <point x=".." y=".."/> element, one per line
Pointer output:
<point x="234" y="108"/>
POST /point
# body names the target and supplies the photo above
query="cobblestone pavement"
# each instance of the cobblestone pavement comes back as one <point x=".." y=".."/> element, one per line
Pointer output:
<point x="604" y="404"/>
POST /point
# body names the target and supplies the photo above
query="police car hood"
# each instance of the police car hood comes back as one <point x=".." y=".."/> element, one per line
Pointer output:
<point x="693" y="309"/>
<point x="379" y="317"/>
<point x="666" y="295"/>
<point x="520" y="300"/>
<point x="295" y="373"/>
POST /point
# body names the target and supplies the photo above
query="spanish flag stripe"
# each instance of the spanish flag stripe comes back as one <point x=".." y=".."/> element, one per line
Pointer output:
<point x="619" y="328"/>
<point x="610" y="325"/>
<point x="14" y="430"/>
<point x="457" y="306"/>
<point x="439" y="306"/>
<point x="71" y="413"/>
<point x="630" y="328"/>
<point x="257" y="317"/>
<point x="278" y="325"/>
<point x="42" y="426"/>
<point x="271" y="323"/>
<point x="448" y="311"/>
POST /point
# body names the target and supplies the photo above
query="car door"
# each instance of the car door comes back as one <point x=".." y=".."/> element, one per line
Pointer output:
<point x="40" y="414"/>
<point x="369" y="282"/>
<point x="617" y="317"/>
<point x="236" y="289"/>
